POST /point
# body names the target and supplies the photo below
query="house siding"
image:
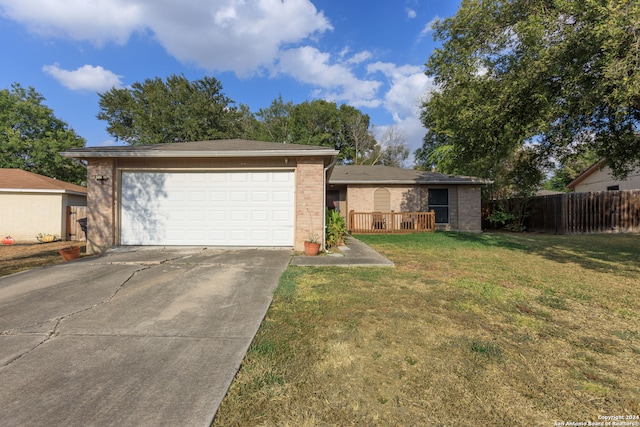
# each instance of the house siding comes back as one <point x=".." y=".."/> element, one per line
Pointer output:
<point x="464" y="202"/>
<point x="310" y="199"/>
<point x="206" y="163"/>
<point x="469" y="209"/>
<point x="360" y="198"/>
<point x="25" y="215"/>
<point x="601" y="179"/>
<point x="103" y="202"/>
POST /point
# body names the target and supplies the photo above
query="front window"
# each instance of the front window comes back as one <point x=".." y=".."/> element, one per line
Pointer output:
<point x="439" y="203"/>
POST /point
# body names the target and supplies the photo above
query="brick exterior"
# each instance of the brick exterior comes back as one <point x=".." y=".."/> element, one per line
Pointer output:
<point x="464" y="202"/>
<point x="101" y="204"/>
<point x="469" y="211"/>
<point x="310" y="200"/>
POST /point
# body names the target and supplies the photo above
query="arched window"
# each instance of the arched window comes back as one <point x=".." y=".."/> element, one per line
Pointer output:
<point x="382" y="200"/>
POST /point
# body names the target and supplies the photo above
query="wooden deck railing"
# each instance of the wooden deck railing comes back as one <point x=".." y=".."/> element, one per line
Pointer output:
<point x="391" y="222"/>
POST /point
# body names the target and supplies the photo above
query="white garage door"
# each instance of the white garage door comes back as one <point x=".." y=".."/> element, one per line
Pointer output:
<point x="207" y="208"/>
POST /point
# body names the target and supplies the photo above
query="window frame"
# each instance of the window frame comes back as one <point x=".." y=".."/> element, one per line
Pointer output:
<point x="431" y="206"/>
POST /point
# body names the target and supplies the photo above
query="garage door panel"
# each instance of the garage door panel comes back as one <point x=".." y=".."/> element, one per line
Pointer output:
<point x="217" y="196"/>
<point x="217" y="215"/>
<point x="207" y="208"/>
<point x="259" y="196"/>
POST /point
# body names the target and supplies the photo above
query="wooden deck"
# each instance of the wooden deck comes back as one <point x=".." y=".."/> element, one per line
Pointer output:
<point x="391" y="222"/>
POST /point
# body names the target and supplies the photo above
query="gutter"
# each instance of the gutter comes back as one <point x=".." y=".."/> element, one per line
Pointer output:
<point x="86" y="154"/>
<point x="41" y="191"/>
<point x="411" y="182"/>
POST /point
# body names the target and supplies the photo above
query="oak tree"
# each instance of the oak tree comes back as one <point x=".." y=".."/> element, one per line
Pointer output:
<point x="31" y="136"/>
<point x="174" y="110"/>
<point x="560" y="76"/>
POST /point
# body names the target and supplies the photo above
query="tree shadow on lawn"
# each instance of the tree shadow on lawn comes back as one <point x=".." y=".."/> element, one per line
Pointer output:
<point x="617" y="254"/>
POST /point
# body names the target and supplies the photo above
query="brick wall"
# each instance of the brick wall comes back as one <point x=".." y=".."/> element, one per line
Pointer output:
<point x="309" y="200"/>
<point x="464" y="203"/>
<point x="469" y="210"/>
<point x="101" y="205"/>
<point x="403" y="197"/>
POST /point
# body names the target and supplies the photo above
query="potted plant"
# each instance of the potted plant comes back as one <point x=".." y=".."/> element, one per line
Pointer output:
<point x="70" y="253"/>
<point x="312" y="245"/>
<point x="8" y="240"/>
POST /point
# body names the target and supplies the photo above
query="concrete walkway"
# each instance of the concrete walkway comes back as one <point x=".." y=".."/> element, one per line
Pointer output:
<point x="354" y="254"/>
<point x="133" y="338"/>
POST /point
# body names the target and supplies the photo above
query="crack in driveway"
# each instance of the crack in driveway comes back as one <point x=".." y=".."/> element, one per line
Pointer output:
<point x="53" y="332"/>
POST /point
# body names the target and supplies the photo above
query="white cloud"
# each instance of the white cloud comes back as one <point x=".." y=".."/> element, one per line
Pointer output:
<point x="408" y="86"/>
<point x="85" y="78"/>
<point x="359" y="57"/>
<point x="428" y="27"/>
<point x="411" y="13"/>
<point x="98" y="21"/>
<point x="225" y="35"/>
<point x="337" y="81"/>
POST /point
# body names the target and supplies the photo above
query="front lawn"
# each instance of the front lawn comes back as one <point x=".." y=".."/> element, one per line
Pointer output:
<point x="490" y="329"/>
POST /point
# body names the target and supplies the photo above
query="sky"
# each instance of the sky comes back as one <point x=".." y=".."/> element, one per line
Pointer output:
<point x="367" y="54"/>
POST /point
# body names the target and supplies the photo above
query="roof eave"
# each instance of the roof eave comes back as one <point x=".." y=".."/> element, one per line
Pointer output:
<point x="199" y="154"/>
<point x="584" y="175"/>
<point x="41" y="190"/>
<point x="412" y="182"/>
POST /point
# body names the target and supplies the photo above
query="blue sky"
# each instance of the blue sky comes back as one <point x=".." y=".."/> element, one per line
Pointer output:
<point x="369" y="54"/>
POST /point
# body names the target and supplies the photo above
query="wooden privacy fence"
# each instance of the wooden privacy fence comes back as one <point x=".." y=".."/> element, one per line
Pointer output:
<point x="74" y="227"/>
<point x="391" y="222"/>
<point x="575" y="213"/>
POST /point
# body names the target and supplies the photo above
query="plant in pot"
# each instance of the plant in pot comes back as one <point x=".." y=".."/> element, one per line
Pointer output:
<point x="70" y="253"/>
<point x="312" y="245"/>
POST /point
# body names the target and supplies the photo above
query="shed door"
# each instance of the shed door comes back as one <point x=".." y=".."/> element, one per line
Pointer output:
<point x="232" y="208"/>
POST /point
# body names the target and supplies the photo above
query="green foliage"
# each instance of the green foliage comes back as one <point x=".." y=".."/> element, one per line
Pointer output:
<point x="569" y="170"/>
<point x="324" y="123"/>
<point x="31" y="137"/>
<point x="562" y="75"/>
<point x="356" y="134"/>
<point x="336" y="228"/>
<point x="275" y="121"/>
<point x="175" y="110"/>
<point x="499" y="216"/>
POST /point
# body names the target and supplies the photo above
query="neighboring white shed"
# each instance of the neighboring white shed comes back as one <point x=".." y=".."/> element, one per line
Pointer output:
<point x="31" y="204"/>
<point x="598" y="178"/>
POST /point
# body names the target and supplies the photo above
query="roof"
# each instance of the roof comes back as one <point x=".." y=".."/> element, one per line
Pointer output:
<point x="584" y="175"/>
<point x="376" y="174"/>
<point x="20" y="181"/>
<point x="214" y="148"/>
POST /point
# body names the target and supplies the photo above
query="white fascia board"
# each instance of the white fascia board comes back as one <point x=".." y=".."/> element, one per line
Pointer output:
<point x="40" y="190"/>
<point x="200" y="154"/>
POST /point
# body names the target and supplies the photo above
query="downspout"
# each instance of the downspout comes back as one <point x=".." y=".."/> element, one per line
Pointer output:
<point x="324" y="204"/>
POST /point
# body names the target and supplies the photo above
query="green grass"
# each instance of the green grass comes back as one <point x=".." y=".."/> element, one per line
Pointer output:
<point x="468" y="329"/>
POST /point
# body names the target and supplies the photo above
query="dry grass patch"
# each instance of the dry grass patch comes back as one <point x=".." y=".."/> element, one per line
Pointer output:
<point x="466" y="330"/>
<point x="20" y="257"/>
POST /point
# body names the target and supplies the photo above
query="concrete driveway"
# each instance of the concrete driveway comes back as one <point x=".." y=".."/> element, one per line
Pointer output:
<point x="131" y="338"/>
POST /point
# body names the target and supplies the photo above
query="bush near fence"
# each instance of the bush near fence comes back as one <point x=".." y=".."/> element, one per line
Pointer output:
<point x="575" y="213"/>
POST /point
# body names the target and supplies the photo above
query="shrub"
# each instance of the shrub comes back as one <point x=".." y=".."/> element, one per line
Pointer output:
<point x="336" y="228"/>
